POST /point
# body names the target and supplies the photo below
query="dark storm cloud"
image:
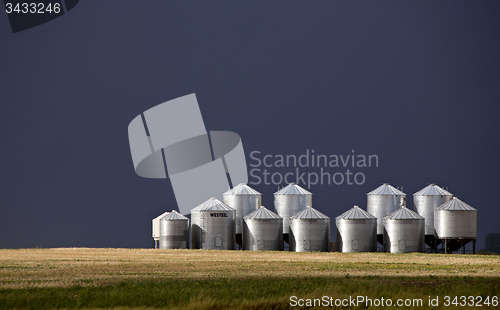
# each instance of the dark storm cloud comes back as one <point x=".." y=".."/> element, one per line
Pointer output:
<point x="415" y="83"/>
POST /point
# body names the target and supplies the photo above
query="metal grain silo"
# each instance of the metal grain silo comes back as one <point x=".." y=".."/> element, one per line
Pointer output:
<point x="381" y="202"/>
<point x="425" y="201"/>
<point x="288" y="201"/>
<point x="356" y="231"/>
<point x="244" y="200"/>
<point x="174" y="231"/>
<point x="263" y="230"/>
<point x="212" y="226"/>
<point x="455" y="223"/>
<point x="155" y="223"/>
<point x="404" y="232"/>
<point x="309" y="231"/>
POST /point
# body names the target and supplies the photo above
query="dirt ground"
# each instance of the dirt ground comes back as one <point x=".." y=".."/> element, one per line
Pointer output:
<point x="63" y="267"/>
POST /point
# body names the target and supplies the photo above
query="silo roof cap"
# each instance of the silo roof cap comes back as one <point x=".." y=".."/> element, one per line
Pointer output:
<point x="354" y="214"/>
<point x="404" y="214"/>
<point x="386" y="189"/>
<point x="174" y="216"/>
<point x="309" y="213"/>
<point x="292" y="189"/>
<point x="262" y="213"/>
<point x="432" y="190"/>
<point x="161" y="215"/>
<point x="242" y="189"/>
<point x="213" y="204"/>
<point x="455" y="204"/>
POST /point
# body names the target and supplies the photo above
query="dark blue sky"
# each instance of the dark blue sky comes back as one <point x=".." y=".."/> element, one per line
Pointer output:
<point x="416" y="83"/>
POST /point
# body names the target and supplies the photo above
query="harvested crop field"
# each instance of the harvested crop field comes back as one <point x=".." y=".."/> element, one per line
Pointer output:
<point x="232" y="279"/>
<point x="69" y="266"/>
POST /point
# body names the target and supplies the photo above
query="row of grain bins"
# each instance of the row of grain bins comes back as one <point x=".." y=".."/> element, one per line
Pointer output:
<point x="438" y="218"/>
<point x="240" y="219"/>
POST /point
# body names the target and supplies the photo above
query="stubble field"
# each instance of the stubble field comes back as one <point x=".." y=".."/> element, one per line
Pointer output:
<point x="70" y="278"/>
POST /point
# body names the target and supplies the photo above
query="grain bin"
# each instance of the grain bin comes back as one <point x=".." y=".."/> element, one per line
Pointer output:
<point x="356" y="231"/>
<point x="263" y="230"/>
<point x="425" y="202"/>
<point x="404" y="232"/>
<point x="244" y="200"/>
<point x="309" y="231"/>
<point x="381" y="202"/>
<point x="212" y="226"/>
<point x="288" y="201"/>
<point x="174" y="231"/>
<point x="155" y="224"/>
<point x="455" y="223"/>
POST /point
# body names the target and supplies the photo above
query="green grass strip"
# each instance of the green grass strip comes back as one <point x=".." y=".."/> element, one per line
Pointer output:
<point x="261" y="293"/>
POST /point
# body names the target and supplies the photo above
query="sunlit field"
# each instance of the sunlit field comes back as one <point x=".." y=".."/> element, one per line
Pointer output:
<point x="70" y="278"/>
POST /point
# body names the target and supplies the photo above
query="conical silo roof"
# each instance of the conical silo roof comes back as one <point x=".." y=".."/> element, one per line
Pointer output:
<point x="174" y="216"/>
<point x="262" y="213"/>
<point x="386" y="189"/>
<point x="292" y="189"/>
<point x="455" y="204"/>
<point x="309" y="213"/>
<point x="242" y="189"/>
<point x="355" y="213"/>
<point x="213" y="204"/>
<point x="432" y="190"/>
<point x="161" y="215"/>
<point x="404" y="214"/>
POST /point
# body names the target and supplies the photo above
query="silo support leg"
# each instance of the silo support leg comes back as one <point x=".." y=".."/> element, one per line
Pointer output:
<point x="474" y="246"/>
